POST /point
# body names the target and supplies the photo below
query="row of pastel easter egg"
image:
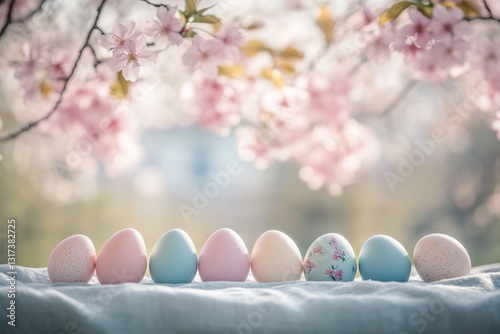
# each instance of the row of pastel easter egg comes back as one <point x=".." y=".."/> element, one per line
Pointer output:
<point x="275" y="257"/>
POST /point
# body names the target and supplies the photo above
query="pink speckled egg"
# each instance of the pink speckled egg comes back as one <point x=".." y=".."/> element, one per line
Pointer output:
<point x="122" y="258"/>
<point x="224" y="257"/>
<point x="276" y="258"/>
<point x="439" y="256"/>
<point x="72" y="260"/>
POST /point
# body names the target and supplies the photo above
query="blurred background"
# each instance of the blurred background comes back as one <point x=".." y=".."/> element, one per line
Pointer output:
<point x="452" y="192"/>
<point x="455" y="190"/>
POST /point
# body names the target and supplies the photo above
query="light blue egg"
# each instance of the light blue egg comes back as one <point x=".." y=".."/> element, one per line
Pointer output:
<point x="330" y="258"/>
<point x="173" y="258"/>
<point x="383" y="258"/>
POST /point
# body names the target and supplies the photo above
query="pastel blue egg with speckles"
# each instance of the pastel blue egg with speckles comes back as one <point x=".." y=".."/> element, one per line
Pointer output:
<point x="173" y="258"/>
<point x="383" y="258"/>
<point x="330" y="258"/>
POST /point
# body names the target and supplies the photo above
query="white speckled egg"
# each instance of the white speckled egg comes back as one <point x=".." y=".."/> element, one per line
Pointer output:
<point x="383" y="258"/>
<point x="330" y="258"/>
<point x="72" y="260"/>
<point x="276" y="258"/>
<point x="173" y="258"/>
<point x="122" y="258"/>
<point x="439" y="256"/>
<point x="224" y="257"/>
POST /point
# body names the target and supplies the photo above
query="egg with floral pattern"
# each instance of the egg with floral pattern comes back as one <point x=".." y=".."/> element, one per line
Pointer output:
<point x="330" y="258"/>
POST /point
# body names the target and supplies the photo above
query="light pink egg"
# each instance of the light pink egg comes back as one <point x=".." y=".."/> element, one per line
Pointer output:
<point x="122" y="258"/>
<point x="224" y="257"/>
<point x="276" y="258"/>
<point x="72" y="260"/>
<point x="439" y="256"/>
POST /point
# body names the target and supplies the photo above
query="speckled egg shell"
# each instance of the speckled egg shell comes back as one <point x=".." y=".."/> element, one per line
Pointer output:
<point x="173" y="258"/>
<point x="122" y="258"/>
<point x="224" y="257"/>
<point x="276" y="258"/>
<point x="439" y="256"/>
<point x="330" y="258"/>
<point x="72" y="260"/>
<point x="383" y="258"/>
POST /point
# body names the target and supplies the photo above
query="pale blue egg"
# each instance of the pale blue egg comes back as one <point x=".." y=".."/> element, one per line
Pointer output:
<point x="330" y="258"/>
<point x="383" y="258"/>
<point x="173" y="258"/>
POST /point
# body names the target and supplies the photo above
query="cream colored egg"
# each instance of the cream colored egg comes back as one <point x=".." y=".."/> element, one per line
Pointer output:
<point x="439" y="256"/>
<point x="73" y="260"/>
<point x="276" y="258"/>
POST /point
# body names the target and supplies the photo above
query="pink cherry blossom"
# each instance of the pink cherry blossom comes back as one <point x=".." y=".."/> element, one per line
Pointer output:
<point x="337" y="255"/>
<point x="116" y="41"/>
<point x="132" y="58"/>
<point x="58" y="64"/>
<point x="27" y="71"/>
<point x="205" y="54"/>
<point x="447" y="24"/>
<point x="309" y="265"/>
<point x="486" y="55"/>
<point x="329" y="98"/>
<point x="450" y="54"/>
<point x="419" y="28"/>
<point x="409" y="49"/>
<point x="255" y="145"/>
<point x="338" y="274"/>
<point x="334" y="155"/>
<point x="214" y="104"/>
<point x="232" y="39"/>
<point x="380" y="40"/>
<point x="317" y="250"/>
<point x="165" y="31"/>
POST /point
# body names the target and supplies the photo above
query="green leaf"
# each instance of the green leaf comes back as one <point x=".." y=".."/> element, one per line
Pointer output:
<point x="119" y="89"/>
<point x="207" y="19"/>
<point x="393" y="13"/>
<point x="190" y="7"/>
<point x="326" y="23"/>
<point x="425" y="9"/>
<point x="253" y="47"/>
<point x="203" y="10"/>
<point x="291" y="53"/>
<point x="469" y="9"/>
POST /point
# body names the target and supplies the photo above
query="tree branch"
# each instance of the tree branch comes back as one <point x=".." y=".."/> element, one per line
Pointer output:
<point x="487" y="6"/>
<point x="65" y="80"/>
<point x="8" y="19"/>
<point x="400" y="97"/>
<point x="154" y="4"/>
<point x="31" y="14"/>
<point x="489" y="17"/>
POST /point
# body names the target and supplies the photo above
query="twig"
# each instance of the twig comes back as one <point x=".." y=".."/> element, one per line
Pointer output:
<point x="487" y="7"/>
<point x="489" y="17"/>
<point x="94" y="53"/>
<point x="154" y="4"/>
<point x="65" y="85"/>
<point x="31" y="14"/>
<point x="484" y="18"/>
<point x="400" y="97"/>
<point x="8" y="19"/>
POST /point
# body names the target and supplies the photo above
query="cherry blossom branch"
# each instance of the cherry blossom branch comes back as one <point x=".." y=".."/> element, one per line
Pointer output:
<point x="8" y="19"/>
<point x="400" y="97"/>
<point x="487" y="6"/>
<point x="489" y="17"/>
<point x="154" y="4"/>
<point x="66" y="80"/>
<point x="31" y="14"/>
